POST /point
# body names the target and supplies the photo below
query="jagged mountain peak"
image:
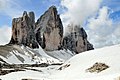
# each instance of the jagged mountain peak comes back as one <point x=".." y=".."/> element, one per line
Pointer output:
<point x="50" y="27"/>
<point x="76" y="39"/>
<point x="53" y="8"/>
<point x="48" y="32"/>
<point x="25" y="13"/>
<point x="23" y="30"/>
<point x="51" y="11"/>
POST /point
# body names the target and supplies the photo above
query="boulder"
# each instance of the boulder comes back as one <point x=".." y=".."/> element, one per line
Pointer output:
<point x="97" y="67"/>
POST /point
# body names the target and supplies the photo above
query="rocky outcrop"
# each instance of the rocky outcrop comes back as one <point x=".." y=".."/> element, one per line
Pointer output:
<point x="48" y="33"/>
<point x="49" y="30"/>
<point x="23" y="30"/>
<point x="97" y="67"/>
<point x="76" y="39"/>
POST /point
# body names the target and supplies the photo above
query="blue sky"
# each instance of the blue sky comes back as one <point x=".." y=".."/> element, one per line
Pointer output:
<point x="100" y="18"/>
<point x="38" y="6"/>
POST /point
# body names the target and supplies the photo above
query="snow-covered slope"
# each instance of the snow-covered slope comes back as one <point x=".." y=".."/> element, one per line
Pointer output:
<point x="79" y="63"/>
<point x="61" y="55"/>
<point x="75" y="67"/>
<point x="15" y="54"/>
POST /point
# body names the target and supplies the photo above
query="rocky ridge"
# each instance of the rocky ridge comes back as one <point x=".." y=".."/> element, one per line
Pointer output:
<point x="48" y="33"/>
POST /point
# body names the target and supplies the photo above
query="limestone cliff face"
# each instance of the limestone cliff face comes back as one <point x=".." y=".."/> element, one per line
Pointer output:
<point x="48" y="33"/>
<point x="49" y="30"/>
<point x="76" y="39"/>
<point x="23" y="30"/>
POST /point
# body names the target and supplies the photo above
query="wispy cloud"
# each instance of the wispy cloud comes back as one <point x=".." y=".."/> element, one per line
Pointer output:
<point x="113" y="4"/>
<point x="77" y="11"/>
<point x="102" y="30"/>
<point x="10" y="8"/>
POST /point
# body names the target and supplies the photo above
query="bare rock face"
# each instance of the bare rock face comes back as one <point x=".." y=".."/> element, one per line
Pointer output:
<point x="23" y="30"/>
<point x="49" y="30"/>
<point x="76" y="39"/>
<point x="48" y="33"/>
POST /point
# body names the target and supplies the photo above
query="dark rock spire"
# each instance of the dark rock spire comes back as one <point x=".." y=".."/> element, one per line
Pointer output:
<point x="76" y="39"/>
<point x="23" y="30"/>
<point x="50" y="27"/>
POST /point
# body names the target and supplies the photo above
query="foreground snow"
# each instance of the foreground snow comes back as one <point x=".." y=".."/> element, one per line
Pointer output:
<point x="77" y="69"/>
<point x="81" y="62"/>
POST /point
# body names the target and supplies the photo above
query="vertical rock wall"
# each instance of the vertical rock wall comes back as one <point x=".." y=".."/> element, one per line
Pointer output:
<point x="48" y="33"/>
<point x="23" y="30"/>
<point x="50" y="28"/>
<point x="76" y="39"/>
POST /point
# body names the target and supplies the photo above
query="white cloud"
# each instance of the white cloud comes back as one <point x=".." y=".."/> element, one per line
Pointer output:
<point x="11" y="8"/>
<point x="102" y="30"/>
<point x="79" y="10"/>
<point x="5" y="34"/>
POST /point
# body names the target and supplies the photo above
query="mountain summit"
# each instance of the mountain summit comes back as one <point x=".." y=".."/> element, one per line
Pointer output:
<point x="50" y="27"/>
<point x="76" y="39"/>
<point x="48" y="33"/>
<point x="23" y="30"/>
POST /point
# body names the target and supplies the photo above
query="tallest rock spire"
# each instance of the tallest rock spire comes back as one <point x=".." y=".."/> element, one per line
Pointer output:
<point x="49" y="30"/>
<point x="23" y="30"/>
